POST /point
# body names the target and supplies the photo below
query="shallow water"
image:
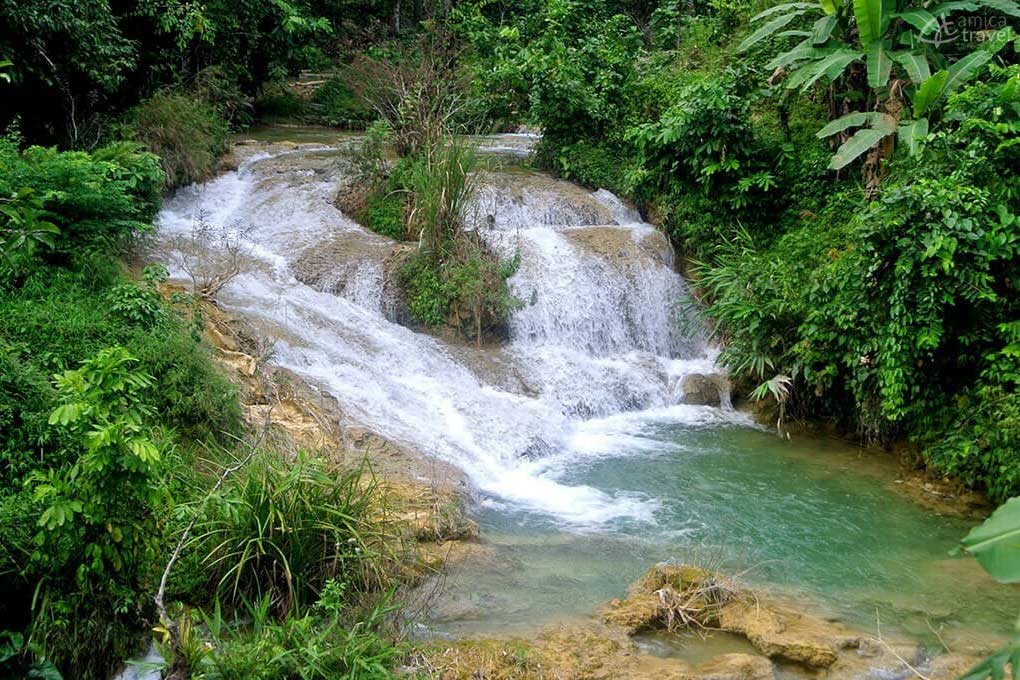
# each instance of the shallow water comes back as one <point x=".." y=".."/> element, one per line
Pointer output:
<point x="811" y="519"/>
<point x="586" y="466"/>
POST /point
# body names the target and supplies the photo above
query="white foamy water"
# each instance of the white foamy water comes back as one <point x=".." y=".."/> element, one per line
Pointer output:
<point x="599" y="351"/>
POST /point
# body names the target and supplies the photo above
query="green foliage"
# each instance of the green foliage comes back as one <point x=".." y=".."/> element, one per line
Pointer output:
<point x="337" y="106"/>
<point x="186" y="133"/>
<point x="429" y="294"/>
<point x="275" y="106"/>
<point x="996" y="542"/>
<point x="140" y="304"/>
<point x="598" y="165"/>
<point x="579" y="67"/>
<point x="282" y="529"/>
<point x="898" y="317"/>
<point x="703" y="140"/>
<point x="384" y="213"/>
<point x="102" y="503"/>
<point x="891" y="40"/>
<point x="23" y="230"/>
<point x="84" y="533"/>
<point x="325" y="643"/>
<point x="218" y="87"/>
<point x="467" y="288"/>
<point x="13" y="651"/>
<point x="93" y="199"/>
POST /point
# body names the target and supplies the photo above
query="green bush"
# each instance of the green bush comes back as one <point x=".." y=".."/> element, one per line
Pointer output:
<point x="94" y="518"/>
<point x="705" y="142"/>
<point x="94" y="199"/>
<point x="384" y="212"/>
<point x="332" y="641"/>
<point x="187" y="133"/>
<point x="335" y="105"/>
<point x="278" y="106"/>
<point x="467" y="288"/>
<point x="580" y="69"/>
<point x="429" y="293"/>
<point x="594" y="164"/>
<point x="218" y="86"/>
<point x="57" y="321"/>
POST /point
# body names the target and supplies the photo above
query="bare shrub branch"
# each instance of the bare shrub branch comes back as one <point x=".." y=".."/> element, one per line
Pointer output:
<point x="212" y="255"/>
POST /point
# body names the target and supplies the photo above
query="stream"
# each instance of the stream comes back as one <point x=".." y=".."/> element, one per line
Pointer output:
<point x="586" y="466"/>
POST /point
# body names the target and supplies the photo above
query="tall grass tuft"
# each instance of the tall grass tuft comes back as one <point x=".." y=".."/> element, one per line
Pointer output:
<point x="283" y="528"/>
<point x="441" y="183"/>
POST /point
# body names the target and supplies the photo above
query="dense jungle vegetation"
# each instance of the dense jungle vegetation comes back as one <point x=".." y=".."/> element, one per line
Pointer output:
<point x="842" y="177"/>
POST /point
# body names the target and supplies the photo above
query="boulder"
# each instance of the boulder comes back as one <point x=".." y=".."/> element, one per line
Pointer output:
<point x="732" y="667"/>
<point x="702" y="390"/>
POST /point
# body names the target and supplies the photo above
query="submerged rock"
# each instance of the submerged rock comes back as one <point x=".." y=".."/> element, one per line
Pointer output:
<point x="703" y="390"/>
<point x="732" y="667"/>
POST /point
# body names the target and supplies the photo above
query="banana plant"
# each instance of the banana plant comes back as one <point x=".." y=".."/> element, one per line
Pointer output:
<point x="891" y="39"/>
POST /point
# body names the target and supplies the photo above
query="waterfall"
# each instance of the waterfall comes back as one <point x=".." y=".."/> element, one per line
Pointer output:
<point x="593" y="360"/>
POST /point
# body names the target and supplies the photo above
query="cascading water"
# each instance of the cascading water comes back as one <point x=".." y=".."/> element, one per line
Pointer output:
<point x="598" y="337"/>
<point x="588" y="466"/>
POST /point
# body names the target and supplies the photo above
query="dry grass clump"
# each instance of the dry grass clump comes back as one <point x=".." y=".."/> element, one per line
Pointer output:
<point x="673" y="597"/>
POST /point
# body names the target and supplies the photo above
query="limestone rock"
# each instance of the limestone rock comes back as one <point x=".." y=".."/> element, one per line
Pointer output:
<point x="702" y="390"/>
<point x="794" y="637"/>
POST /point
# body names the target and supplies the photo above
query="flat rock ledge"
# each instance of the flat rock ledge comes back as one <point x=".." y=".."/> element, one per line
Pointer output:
<point x="676" y="598"/>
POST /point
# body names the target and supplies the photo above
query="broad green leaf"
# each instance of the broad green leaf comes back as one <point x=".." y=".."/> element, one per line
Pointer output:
<point x="822" y="29"/>
<point x="768" y="29"/>
<point x="877" y="120"/>
<point x="912" y="133"/>
<point x="998" y="40"/>
<point x="65" y="414"/>
<point x="857" y="145"/>
<point x="801" y="52"/>
<point x="929" y="92"/>
<point x="996" y="542"/>
<point x="921" y="19"/>
<point x="995" y="666"/>
<point x="869" y="20"/>
<point x="964" y="70"/>
<point x="830" y="68"/>
<point x="788" y="7"/>
<point x="879" y="65"/>
<point x="916" y="65"/>
<point x="828" y="6"/>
